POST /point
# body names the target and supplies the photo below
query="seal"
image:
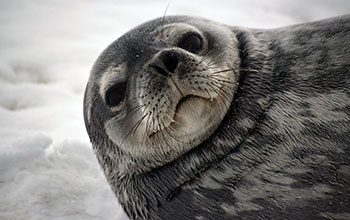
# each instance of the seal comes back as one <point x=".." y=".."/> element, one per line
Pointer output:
<point x="192" y="119"/>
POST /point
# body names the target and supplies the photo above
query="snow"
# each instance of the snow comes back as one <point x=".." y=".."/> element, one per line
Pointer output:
<point x="47" y="167"/>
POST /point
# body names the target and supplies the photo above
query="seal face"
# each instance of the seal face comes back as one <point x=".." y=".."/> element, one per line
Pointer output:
<point x="168" y="97"/>
<point x="191" y="119"/>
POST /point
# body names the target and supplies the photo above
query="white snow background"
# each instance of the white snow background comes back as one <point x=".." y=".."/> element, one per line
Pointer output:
<point x="47" y="167"/>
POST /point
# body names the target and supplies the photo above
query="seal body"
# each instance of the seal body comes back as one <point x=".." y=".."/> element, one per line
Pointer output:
<point x="274" y="139"/>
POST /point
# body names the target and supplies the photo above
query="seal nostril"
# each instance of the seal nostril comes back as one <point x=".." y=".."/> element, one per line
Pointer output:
<point x="170" y="61"/>
<point x="160" y="70"/>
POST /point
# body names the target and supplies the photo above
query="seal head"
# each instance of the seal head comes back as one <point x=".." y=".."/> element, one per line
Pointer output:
<point x="163" y="88"/>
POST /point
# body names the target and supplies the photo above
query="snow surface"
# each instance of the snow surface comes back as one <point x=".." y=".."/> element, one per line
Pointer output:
<point x="47" y="167"/>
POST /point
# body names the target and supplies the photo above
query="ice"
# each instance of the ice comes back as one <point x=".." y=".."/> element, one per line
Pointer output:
<point x="47" y="167"/>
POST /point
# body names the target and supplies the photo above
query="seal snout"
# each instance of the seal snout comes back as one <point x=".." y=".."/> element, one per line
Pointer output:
<point x="166" y="62"/>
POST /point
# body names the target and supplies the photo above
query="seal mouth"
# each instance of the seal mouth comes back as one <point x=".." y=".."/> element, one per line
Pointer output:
<point x="184" y="107"/>
<point x="185" y="99"/>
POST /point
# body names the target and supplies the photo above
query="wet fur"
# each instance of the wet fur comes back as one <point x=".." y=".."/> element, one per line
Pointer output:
<point x="281" y="152"/>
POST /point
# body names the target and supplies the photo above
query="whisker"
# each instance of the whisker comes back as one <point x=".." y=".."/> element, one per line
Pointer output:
<point x="214" y="60"/>
<point x="218" y="78"/>
<point x="163" y="20"/>
<point x="248" y="70"/>
<point x="222" y="71"/>
<point x="136" y="126"/>
<point x="206" y="56"/>
<point x="146" y="132"/>
<point x="177" y="87"/>
<point x="169" y="131"/>
<point x="224" y="96"/>
<point x="135" y="109"/>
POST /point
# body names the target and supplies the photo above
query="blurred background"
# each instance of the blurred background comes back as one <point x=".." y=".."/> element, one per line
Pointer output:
<point x="47" y="47"/>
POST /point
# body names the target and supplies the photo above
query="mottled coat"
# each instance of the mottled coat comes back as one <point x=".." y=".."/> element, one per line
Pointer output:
<point x="283" y="148"/>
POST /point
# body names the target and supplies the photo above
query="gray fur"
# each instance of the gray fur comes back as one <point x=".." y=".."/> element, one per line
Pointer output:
<point x="281" y="152"/>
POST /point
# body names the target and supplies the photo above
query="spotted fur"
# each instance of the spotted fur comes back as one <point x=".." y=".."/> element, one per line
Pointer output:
<point x="281" y="152"/>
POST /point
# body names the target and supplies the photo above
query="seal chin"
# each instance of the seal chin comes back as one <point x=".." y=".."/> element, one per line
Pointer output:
<point x="184" y="106"/>
<point x="183" y="101"/>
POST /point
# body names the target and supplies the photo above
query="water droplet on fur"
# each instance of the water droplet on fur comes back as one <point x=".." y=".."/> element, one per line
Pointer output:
<point x="211" y="99"/>
<point x="137" y="55"/>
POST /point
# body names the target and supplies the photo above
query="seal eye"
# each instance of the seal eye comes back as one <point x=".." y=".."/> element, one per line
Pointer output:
<point x="191" y="42"/>
<point x="116" y="94"/>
